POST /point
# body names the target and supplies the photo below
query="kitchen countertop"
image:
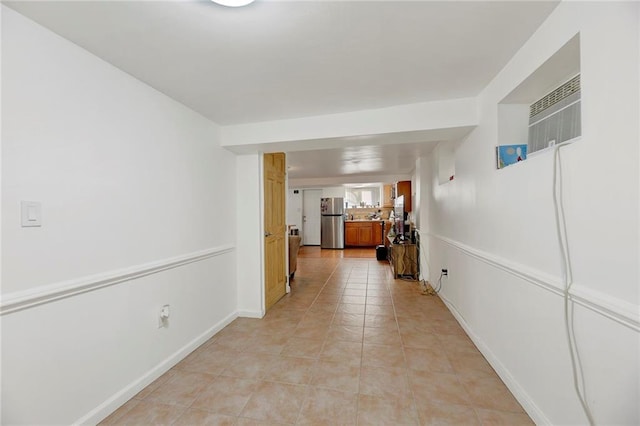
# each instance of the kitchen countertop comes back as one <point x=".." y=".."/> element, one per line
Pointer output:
<point x="365" y="220"/>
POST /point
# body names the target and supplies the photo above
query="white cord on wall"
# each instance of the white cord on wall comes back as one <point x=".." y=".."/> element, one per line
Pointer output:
<point x="567" y="273"/>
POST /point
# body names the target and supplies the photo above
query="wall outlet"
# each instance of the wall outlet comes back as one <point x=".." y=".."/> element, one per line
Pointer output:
<point x="445" y="272"/>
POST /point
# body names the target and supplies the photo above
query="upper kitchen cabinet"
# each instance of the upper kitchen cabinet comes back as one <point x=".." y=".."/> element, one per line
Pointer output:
<point x="387" y="195"/>
<point x="404" y="188"/>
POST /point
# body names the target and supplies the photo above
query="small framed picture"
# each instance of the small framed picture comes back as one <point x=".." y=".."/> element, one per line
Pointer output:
<point x="510" y="154"/>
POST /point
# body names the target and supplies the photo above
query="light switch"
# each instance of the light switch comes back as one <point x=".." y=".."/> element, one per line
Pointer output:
<point x="31" y="213"/>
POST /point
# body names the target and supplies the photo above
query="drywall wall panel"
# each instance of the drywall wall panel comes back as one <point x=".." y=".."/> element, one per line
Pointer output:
<point x="110" y="160"/>
<point x="132" y="186"/>
<point x="433" y="120"/>
<point x="495" y="230"/>
<point x="250" y="237"/>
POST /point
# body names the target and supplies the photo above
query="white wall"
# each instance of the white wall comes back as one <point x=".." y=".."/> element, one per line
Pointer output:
<point x="132" y="182"/>
<point x="294" y="207"/>
<point x="423" y="179"/>
<point x="494" y="230"/>
<point x="132" y="186"/>
<point x="432" y="120"/>
<point x="333" y="191"/>
<point x="250" y="239"/>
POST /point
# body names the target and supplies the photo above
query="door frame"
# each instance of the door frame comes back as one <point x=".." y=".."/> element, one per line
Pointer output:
<point x="286" y="209"/>
<point x="263" y="271"/>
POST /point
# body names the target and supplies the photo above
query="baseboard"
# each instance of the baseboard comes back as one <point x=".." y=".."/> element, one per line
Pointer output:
<point x="251" y="314"/>
<point x="518" y="392"/>
<point x="110" y="405"/>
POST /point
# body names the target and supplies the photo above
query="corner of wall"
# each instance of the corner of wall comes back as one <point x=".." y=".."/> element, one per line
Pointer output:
<point x="249" y="215"/>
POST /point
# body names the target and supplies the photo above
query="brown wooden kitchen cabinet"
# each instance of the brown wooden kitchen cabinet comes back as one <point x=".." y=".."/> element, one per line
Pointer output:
<point x="365" y="233"/>
<point x="404" y="188"/>
<point x="377" y="229"/>
<point x="387" y="195"/>
<point x="350" y="234"/>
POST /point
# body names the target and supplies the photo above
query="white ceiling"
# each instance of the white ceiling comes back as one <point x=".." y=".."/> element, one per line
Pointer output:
<point x="287" y="59"/>
<point x="361" y="162"/>
<point x="371" y="158"/>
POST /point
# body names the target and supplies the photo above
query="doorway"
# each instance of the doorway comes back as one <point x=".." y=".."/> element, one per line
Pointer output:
<point x="311" y="217"/>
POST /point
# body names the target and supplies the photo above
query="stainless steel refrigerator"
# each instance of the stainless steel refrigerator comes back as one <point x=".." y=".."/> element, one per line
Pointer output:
<point x="332" y="223"/>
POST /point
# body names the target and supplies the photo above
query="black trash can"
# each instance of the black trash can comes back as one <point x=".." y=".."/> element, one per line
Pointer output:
<point x="381" y="253"/>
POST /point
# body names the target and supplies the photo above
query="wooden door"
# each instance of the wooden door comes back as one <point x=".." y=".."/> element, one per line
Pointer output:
<point x="274" y="228"/>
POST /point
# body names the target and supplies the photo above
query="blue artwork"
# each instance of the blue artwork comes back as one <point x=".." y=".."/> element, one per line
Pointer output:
<point x="510" y="154"/>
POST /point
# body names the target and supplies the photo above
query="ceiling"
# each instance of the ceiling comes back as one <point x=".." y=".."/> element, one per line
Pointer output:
<point x="277" y="60"/>
<point x="379" y="158"/>
<point x="361" y="163"/>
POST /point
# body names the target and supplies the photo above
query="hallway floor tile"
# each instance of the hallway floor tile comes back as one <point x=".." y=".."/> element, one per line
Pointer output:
<point x="348" y="346"/>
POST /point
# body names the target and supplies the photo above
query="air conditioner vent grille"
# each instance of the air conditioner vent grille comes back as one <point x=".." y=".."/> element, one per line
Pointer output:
<point x="570" y="87"/>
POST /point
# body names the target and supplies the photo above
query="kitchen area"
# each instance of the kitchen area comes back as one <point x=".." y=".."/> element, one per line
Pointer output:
<point x="342" y="227"/>
<point x="360" y="217"/>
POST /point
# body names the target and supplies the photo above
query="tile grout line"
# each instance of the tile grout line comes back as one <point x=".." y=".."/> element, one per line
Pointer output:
<point x="404" y="354"/>
<point x="364" y="321"/>
<point x="351" y="273"/>
<point x="318" y="360"/>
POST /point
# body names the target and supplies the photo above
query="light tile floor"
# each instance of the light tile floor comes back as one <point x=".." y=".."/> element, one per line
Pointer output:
<point x="350" y="345"/>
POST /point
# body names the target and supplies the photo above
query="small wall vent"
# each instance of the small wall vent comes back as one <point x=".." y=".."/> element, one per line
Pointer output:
<point x="570" y="87"/>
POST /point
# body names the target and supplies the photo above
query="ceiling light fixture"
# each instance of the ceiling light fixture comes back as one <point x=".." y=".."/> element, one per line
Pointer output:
<point x="233" y="3"/>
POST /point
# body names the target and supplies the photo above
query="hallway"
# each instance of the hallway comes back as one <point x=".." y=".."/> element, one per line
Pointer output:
<point x="349" y="345"/>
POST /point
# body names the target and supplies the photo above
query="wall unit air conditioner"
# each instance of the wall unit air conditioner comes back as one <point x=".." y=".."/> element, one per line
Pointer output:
<point x="556" y="117"/>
